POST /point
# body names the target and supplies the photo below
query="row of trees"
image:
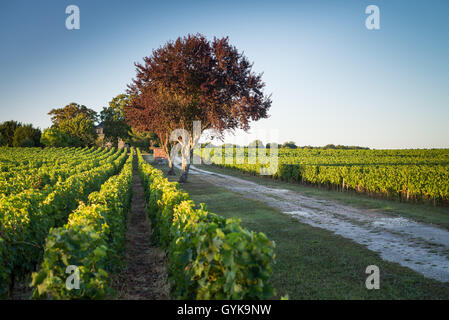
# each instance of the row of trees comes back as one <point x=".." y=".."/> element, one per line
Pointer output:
<point x="16" y="134"/>
<point x="292" y="145"/>
<point x="75" y="125"/>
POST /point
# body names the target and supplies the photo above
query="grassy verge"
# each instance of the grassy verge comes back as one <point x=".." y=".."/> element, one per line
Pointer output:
<point x="313" y="263"/>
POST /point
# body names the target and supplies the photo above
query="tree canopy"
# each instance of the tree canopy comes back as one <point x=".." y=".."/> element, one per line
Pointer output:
<point x="143" y="139"/>
<point x="290" y="145"/>
<point x="70" y="111"/>
<point x="2" y="140"/>
<point x="76" y="121"/>
<point x="193" y="79"/>
<point x="7" y="130"/>
<point x="80" y="129"/>
<point x="53" y="137"/>
<point x="27" y="136"/>
<point x="115" y="126"/>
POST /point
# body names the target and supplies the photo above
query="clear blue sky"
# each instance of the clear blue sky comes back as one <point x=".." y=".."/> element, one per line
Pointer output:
<point x="331" y="79"/>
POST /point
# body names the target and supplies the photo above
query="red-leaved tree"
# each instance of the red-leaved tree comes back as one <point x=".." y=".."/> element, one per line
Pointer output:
<point x="193" y="79"/>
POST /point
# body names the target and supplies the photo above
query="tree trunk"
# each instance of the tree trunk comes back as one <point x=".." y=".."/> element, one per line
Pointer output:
<point x="171" y="170"/>
<point x="188" y="144"/>
<point x="185" y="166"/>
<point x="167" y="149"/>
<point x="184" y="173"/>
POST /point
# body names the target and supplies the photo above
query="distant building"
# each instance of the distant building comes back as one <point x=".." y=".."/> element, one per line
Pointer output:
<point x="100" y="132"/>
<point x="99" y="129"/>
<point x="159" y="154"/>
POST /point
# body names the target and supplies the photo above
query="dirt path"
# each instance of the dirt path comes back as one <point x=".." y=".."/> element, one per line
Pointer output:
<point x="145" y="274"/>
<point x="423" y="248"/>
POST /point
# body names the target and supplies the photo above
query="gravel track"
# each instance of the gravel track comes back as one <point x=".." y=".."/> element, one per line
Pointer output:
<point x="420" y="247"/>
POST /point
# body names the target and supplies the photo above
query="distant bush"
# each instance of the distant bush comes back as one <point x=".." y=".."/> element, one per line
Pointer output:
<point x="7" y="130"/>
<point x="3" y="140"/>
<point x="290" y="145"/>
<point x="27" y="136"/>
<point x="53" y="137"/>
<point x="27" y="143"/>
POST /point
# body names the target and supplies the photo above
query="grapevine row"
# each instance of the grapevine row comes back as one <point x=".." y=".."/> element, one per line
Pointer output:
<point x="410" y="175"/>
<point x="92" y="240"/>
<point x="26" y="218"/>
<point x="210" y="257"/>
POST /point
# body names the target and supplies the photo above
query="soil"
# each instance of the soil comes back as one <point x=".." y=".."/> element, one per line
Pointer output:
<point x="144" y="277"/>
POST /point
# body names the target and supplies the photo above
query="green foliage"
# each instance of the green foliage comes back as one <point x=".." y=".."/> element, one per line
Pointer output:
<point x="332" y="146"/>
<point x="210" y="257"/>
<point x="28" y="212"/>
<point x="26" y="136"/>
<point x="142" y="140"/>
<point x="410" y="175"/>
<point x="26" y="143"/>
<point x="76" y="121"/>
<point x="80" y="129"/>
<point x="64" y="247"/>
<point x="115" y="126"/>
<point x="7" y="130"/>
<point x="3" y="140"/>
<point x="290" y="145"/>
<point x="71" y="111"/>
<point x="53" y="137"/>
<point x="221" y="260"/>
<point x="93" y="240"/>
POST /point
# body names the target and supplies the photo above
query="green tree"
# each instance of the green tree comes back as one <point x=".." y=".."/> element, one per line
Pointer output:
<point x="80" y="129"/>
<point x="71" y="111"/>
<point x="7" y="130"/>
<point x="142" y="139"/>
<point x="53" y="137"/>
<point x="27" y="136"/>
<point x="114" y="123"/>
<point x="290" y="145"/>
<point x="2" y="140"/>
<point x="76" y="121"/>
<point x="27" y="143"/>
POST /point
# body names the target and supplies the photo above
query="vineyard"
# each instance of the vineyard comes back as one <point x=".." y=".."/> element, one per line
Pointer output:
<point x="63" y="207"/>
<point x="408" y="175"/>
<point x="42" y="188"/>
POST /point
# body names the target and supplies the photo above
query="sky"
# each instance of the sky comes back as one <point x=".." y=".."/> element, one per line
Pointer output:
<point x="331" y="79"/>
